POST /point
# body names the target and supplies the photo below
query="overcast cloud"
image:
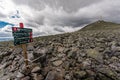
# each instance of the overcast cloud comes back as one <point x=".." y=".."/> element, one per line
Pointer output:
<point x="48" y="17"/>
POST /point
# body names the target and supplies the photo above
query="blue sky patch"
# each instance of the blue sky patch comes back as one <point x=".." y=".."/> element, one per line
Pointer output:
<point x="2" y="24"/>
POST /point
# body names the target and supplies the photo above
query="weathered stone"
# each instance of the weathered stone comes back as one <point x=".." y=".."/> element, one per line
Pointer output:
<point x="68" y="77"/>
<point x="30" y="55"/>
<point x="57" y="63"/>
<point x="20" y="75"/>
<point x="80" y="74"/>
<point x="46" y="70"/>
<point x="60" y="55"/>
<point x="4" y="54"/>
<point x="91" y="73"/>
<point x="54" y="58"/>
<point x="37" y="77"/>
<point x="51" y="75"/>
<point x="25" y="71"/>
<point x="115" y="66"/>
<point x="54" y="75"/>
<point x="30" y="48"/>
<point x="95" y="54"/>
<point x="60" y="49"/>
<point x="2" y="66"/>
<point x="72" y="54"/>
<point x="40" y="51"/>
<point x="17" y="51"/>
<point x="36" y="69"/>
<point x="82" y="54"/>
<point x="86" y="64"/>
<point x="80" y="60"/>
<point x="101" y="49"/>
<point x="39" y="57"/>
<point x="7" y="64"/>
<point x="103" y="77"/>
<point x="66" y="65"/>
<point x="90" y="78"/>
<point x="108" y="72"/>
<point x="26" y="78"/>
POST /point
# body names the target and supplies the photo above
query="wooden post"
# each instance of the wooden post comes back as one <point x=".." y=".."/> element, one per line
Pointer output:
<point x="25" y="54"/>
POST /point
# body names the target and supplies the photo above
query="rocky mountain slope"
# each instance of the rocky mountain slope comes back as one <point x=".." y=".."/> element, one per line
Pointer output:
<point x="82" y="55"/>
<point x="102" y="25"/>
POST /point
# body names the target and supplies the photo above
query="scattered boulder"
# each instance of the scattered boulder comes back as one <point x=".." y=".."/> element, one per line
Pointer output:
<point x="107" y="72"/>
<point x="26" y="78"/>
<point x="95" y="55"/>
<point x="86" y="55"/>
<point x="80" y="74"/>
<point x="36" y="69"/>
<point x="57" y="63"/>
<point x="51" y="75"/>
<point x="20" y="75"/>
<point x="37" y="77"/>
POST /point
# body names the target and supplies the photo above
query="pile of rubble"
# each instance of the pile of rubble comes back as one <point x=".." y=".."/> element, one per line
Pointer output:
<point x="83" y="55"/>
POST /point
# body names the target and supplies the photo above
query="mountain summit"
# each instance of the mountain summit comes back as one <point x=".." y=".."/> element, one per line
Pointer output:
<point x="101" y="25"/>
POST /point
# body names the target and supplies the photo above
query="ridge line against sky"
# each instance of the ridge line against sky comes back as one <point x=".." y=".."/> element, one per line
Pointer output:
<point x="48" y="17"/>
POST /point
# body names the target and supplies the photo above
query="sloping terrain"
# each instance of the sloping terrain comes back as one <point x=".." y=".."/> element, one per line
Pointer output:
<point x="102" y="25"/>
<point x="82" y="55"/>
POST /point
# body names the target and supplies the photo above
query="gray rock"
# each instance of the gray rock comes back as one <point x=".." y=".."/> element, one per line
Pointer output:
<point x="79" y="60"/>
<point x="60" y="55"/>
<point x="25" y="71"/>
<point x="67" y="77"/>
<point x="30" y="48"/>
<point x="80" y="74"/>
<point x="39" y="58"/>
<point x="115" y="66"/>
<point x="66" y="65"/>
<point x="37" y="77"/>
<point x="72" y="55"/>
<point x="2" y="66"/>
<point x="60" y="49"/>
<point x="103" y="77"/>
<point x="95" y="54"/>
<point x="20" y="75"/>
<point x="86" y="64"/>
<point x="30" y="55"/>
<point x="51" y="75"/>
<point x="40" y="51"/>
<point x="3" y="54"/>
<point x="57" y="63"/>
<point x="17" y="51"/>
<point x="91" y="78"/>
<point x="7" y="64"/>
<point x="54" y="58"/>
<point x="82" y="54"/>
<point x="36" y="69"/>
<point x="108" y="73"/>
<point x="26" y="78"/>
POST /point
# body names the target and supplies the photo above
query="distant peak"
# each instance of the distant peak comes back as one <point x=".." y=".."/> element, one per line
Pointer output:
<point x="100" y="21"/>
<point x="101" y="25"/>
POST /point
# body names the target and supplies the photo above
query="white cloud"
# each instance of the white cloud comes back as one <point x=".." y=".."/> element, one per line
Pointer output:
<point x="45" y="18"/>
<point x="6" y="31"/>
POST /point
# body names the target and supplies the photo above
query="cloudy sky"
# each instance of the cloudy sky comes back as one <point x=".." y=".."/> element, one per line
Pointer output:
<point x="48" y="17"/>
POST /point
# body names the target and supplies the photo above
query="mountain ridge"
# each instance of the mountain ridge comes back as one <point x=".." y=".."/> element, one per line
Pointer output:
<point x="101" y="25"/>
